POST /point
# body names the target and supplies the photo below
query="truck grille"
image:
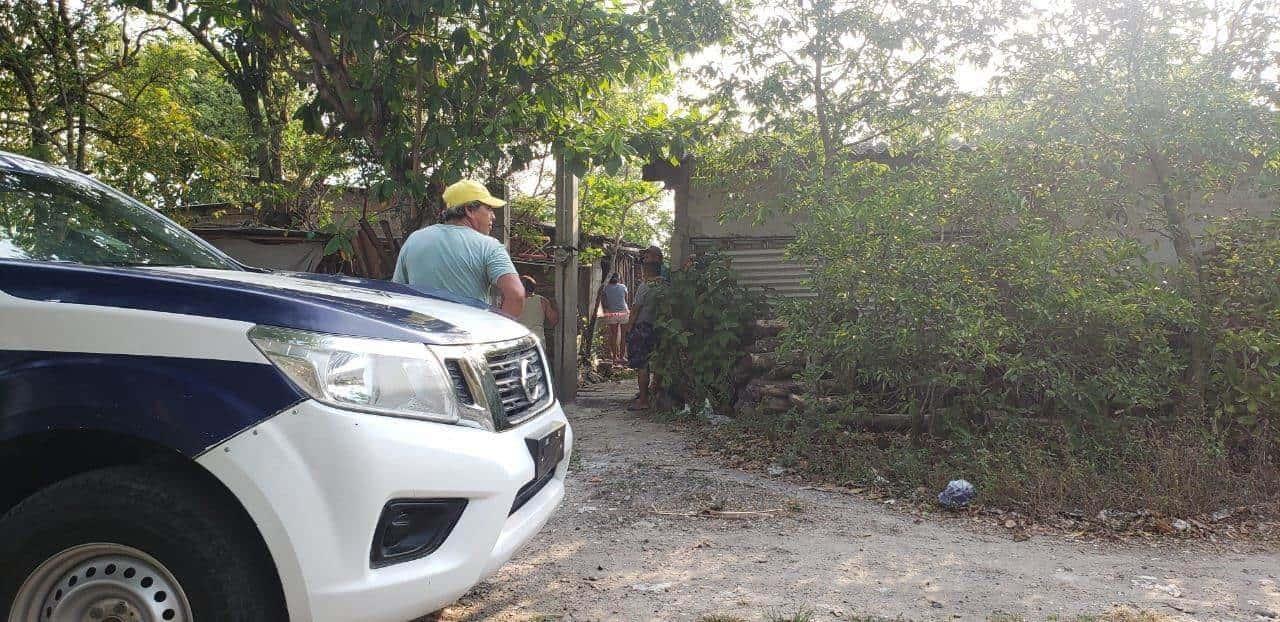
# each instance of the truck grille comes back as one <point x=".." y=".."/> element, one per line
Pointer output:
<point x="521" y="381"/>
<point x="459" y="382"/>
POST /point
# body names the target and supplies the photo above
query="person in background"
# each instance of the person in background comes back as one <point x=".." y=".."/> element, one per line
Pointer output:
<point x="642" y="335"/>
<point x="653" y="255"/>
<point x="616" y="314"/>
<point x="539" y="313"/>
<point x="458" y="255"/>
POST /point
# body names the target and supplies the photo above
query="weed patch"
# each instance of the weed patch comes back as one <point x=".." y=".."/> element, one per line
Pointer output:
<point x="1036" y="467"/>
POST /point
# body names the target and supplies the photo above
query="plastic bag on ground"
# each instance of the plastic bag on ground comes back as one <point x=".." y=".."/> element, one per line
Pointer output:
<point x="957" y="494"/>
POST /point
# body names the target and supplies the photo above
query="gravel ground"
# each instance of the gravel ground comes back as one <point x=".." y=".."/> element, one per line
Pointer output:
<point x="634" y="541"/>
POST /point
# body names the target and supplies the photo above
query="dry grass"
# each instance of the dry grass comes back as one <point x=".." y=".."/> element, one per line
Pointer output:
<point x="1120" y="614"/>
<point x="1035" y="468"/>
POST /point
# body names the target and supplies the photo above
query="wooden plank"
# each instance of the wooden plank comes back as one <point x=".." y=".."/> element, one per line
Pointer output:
<point x="395" y="242"/>
<point x="566" y="341"/>
<point x="367" y="246"/>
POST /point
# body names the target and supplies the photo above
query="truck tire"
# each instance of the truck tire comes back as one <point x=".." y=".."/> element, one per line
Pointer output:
<point x="134" y="543"/>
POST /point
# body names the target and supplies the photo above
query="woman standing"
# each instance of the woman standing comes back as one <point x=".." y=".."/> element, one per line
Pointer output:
<point x="616" y="314"/>
<point x="538" y="313"/>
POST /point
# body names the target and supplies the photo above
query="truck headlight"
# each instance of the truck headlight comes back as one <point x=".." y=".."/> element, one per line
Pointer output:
<point x="396" y="378"/>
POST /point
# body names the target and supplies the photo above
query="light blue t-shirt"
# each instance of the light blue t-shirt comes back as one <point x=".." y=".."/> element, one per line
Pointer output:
<point x="455" y="258"/>
<point x="615" y="297"/>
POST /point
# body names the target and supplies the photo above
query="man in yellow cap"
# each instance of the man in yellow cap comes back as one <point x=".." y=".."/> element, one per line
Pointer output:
<point x="459" y="256"/>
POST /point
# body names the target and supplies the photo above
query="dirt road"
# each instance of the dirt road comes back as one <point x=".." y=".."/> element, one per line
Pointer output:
<point x="628" y="544"/>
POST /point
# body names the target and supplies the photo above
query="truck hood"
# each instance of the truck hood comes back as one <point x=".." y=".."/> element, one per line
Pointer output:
<point x="315" y="302"/>
<point x="441" y="317"/>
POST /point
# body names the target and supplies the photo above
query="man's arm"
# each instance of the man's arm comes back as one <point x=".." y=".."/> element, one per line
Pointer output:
<point x="502" y="273"/>
<point x="401" y="274"/>
<point x="512" y="291"/>
<point x="549" y="309"/>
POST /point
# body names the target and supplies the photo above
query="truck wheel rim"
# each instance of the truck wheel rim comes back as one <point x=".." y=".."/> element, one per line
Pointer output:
<point x="101" y="583"/>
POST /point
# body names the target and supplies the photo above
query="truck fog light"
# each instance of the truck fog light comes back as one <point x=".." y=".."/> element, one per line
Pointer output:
<point x="413" y="528"/>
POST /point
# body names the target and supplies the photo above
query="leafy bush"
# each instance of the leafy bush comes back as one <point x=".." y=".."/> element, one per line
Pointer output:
<point x="1242" y="275"/>
<point x="703" y="318"/>
<point x="1012" y="316"/>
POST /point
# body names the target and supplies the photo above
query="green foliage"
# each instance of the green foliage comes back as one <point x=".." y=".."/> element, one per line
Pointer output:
<point x="342" y="233"/>
<point x="1009" y="313"/>
<point x="533" y="208"/>
<point x="180" y="141"/>
<point x="610" y="204"/>
<point x="54" y="62"/>
<point x="703" y="318"/>
<point x="854" y="72"/>
<point x="440" y="89"/>
<point x="1030" y="278"/>
<point x="529" y="236"/>
<point x="167" y="106"/>
<point x="1013" y="274"/>
<point x="1243" y="281"/>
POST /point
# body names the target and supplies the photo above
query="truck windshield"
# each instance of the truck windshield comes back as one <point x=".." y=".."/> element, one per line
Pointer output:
<point x="67" y="219"/>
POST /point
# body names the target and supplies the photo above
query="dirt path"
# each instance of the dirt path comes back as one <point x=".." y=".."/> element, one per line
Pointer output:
<point x="608" y="555"/>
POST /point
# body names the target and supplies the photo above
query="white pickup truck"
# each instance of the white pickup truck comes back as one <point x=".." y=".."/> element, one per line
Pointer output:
<point x="184" y="437"/>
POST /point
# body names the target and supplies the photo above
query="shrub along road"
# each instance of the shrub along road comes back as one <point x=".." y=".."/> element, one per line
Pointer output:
<point x="653" y="530"/>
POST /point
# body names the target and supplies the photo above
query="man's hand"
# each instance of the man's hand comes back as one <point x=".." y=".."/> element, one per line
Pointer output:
<point x="512" y="291"/>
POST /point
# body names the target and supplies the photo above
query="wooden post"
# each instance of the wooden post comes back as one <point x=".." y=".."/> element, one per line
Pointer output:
<point x="565" y="347"/>
<point x="502" y="224"/>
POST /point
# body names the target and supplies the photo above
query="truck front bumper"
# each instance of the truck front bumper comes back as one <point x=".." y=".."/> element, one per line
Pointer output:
<point x="315" y="480"/>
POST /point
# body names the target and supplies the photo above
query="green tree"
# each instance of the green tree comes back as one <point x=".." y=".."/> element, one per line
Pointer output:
<point x="1161" y="102"/>
<point x="612" y="205"/>
<point x="1011" y="272"/>
<point x="56" y="60"/>
<point x="439" y="89"/>
<point x="180" y="135"/>
<point x="854" y="71"/>
<point x="252" y="61"/>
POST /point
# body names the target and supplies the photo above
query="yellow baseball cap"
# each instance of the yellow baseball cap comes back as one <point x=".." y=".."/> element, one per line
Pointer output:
<point x="466" y="191"/>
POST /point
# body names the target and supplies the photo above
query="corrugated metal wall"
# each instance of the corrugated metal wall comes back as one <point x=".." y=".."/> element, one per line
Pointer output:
<point x="761" y="263"/>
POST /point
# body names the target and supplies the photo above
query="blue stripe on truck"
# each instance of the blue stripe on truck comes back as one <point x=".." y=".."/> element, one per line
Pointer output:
<point x="186" y="404"/>
<point x="188" y="294"/>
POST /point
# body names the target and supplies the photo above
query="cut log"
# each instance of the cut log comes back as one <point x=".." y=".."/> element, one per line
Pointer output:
<point x="366" y="242"/>
<point x="767" y="329"/>
<point x="766" y="360"/>
<point x="784" y="372"/>
<point x="766" y="388"/>
<point x="744" y="371"/>
<point x="760" y="362"/>
<point x="831" y="386"/>
<point x="763" y="346"/>
<point x="885" y="422"/>
<point x="391" y="239"/>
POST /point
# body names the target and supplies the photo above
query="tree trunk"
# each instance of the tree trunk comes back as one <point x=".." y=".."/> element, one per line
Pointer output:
<point x="41" y="140"/>
<point x="82" y="135"/>
<point x="824" y="121"/>
<point x="425" y="208"/>
<point x="269" y="134"/>
<point x="267" y="119"/>
<point x="1192" y="283"/>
